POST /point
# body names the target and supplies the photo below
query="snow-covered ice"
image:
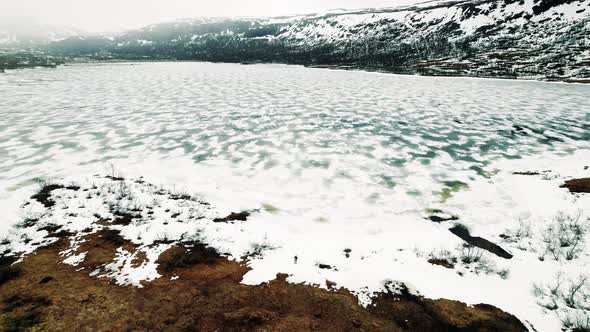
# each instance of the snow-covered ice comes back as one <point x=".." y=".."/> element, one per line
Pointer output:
<point x="330" y="160"/>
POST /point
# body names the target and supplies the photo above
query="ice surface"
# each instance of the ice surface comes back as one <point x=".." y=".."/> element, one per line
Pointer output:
<point x="334" y="160"/>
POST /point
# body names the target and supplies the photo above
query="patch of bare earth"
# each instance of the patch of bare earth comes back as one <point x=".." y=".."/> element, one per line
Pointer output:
<point x="46" y="294"/>
<point x="578" y="185"/>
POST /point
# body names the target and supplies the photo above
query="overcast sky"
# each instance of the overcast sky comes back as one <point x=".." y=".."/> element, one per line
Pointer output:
<point x="110" y="15"/>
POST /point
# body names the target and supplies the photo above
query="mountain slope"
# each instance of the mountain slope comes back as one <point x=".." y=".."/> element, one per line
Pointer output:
<point x="18" y="33"/>
<point x="537" y="39"/>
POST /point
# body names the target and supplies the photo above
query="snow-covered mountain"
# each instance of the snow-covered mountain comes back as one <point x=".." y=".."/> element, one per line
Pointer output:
<point x="539" y="39"/>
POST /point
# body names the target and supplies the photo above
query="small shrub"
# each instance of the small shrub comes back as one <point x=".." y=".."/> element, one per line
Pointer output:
<point x="28" y="222"/>
<point x="443" y="258"/>
<point x="577" y="322"/>
<point x="257" y="250"/>
<point x="162" y="238"/>
<point x="564" y="237"/>
<point x="195" y="214"/>
<point x="504" y="273"/>
<point x="180" y="195"/>
<point x="73" y="186"/>
<point x="485" y="265"/>
<point x="569" y="297"/>
<point x="25" y="238"/>
<point x="43" y="196"/>
<point x="123" y="191"/>
<point x="121" y="217"/>
<point x="574" y="293"/>
<point x="522" y="231"/>
<point x="113" y="173"/>
<point x="470" y="254"/>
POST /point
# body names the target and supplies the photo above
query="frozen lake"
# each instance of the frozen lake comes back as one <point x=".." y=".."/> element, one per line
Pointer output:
<point x="332" y="136"/>
<point x="334" y="159"/>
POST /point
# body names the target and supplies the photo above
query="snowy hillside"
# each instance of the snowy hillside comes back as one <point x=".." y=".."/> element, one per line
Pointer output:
<point x="538" y="39"/>
<point x="479" y="37"/>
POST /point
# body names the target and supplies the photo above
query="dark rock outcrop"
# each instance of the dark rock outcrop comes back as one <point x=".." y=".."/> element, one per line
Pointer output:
<point x="577" y="185"/>
<point x="463" y="233"/>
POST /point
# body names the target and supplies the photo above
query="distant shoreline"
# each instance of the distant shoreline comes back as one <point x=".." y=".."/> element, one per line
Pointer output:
<point x="342" y="67"/>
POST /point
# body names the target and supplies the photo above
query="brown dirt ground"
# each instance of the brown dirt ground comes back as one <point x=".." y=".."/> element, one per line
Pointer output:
<point x="208" y="296"/>
<point x="578" y="185"/>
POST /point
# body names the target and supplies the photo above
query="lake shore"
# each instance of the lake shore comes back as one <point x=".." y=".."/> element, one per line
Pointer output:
<point x="346" y="67"/>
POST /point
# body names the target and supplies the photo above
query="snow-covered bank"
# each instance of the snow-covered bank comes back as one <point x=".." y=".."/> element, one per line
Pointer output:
<point x="516" y="211"/>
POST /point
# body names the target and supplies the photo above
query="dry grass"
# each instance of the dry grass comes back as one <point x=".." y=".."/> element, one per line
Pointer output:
<point x="208" y="296"/>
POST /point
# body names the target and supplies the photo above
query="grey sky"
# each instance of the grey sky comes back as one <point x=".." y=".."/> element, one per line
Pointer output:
<point x="110" y="15"/>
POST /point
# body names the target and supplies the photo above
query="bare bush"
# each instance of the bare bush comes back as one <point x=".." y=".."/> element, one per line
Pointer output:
<point x="564" y="237"/>
<point x="576" y="322"/>
<point x="470" y="254"/>
<point x="549" y="295"/>
<point x="575" y="293"/>
<point x="123" y="191"/>
<point x="195" y="214"/>
<point x="112" y="171"/>
<point x="442" y="257"/>
<point x="485" y="265"/>
<point x="538" y="290"/>
<point x="555" y="290"/>
<point x="521" y="232"/>
<point x="163" y="238"/>
<point x="258" y="249"/>
<point x="504" y="273"/>
<point x="475" y="259"/>
<point x="569" y="297"/>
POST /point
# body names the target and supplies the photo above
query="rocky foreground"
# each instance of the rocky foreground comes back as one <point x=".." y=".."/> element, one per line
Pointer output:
<point x="77" y="266"/>
<point x="200" y="290"/>
<point x="113" y="253"/>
